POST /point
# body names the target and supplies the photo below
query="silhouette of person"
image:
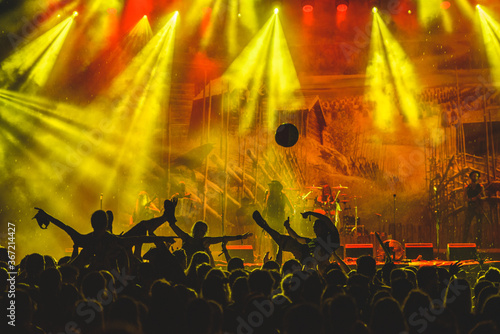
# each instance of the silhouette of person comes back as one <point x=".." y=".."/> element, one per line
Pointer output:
<point x="473" y="194"/>
<point x="144" y="208"/>
<point x="101" y="246"/>
<point x="198" y="241"/>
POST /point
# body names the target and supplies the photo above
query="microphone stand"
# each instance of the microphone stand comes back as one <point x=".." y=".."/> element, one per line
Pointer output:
<point x="437" y="220"/>
<point x="394" y="236"/>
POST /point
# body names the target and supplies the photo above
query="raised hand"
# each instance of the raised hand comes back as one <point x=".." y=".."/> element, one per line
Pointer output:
<point x="304" y="215"/>
<point x="287" y="222"/>
<point x="42" y="218"/>
<point x="267" y="258"/>
<point x="169" y="206"/>
<point x="455" y="268"/>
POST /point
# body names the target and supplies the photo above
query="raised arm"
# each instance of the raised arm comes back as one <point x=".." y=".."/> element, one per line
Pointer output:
<point x="294" y="234"/>
<point x="180" y="233"/>
<point x="289" y="204"/>
<point x="279" y="256"/>
<point x="225" y="252"/>
<point x="77" y="237"/>
<point x="322" y="217"/>
<point x="226" y="238"/>
<point x="345" y="268"/>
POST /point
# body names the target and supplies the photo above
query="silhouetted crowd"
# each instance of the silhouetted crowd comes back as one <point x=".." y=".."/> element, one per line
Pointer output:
<point x="102" y="290"/>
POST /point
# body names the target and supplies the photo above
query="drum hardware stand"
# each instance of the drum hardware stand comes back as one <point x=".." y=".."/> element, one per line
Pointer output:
<point x="437" y="221"/>
<point x="355" y="229"/>
<point x="394" y="236"/>
<point x="337" y="209"/>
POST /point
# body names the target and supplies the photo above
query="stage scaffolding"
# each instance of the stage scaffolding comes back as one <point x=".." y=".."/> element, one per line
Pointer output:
<point x="469" y="145"/>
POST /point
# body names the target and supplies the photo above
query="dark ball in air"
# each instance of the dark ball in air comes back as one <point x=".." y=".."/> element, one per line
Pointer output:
<point x="287" y="135"/>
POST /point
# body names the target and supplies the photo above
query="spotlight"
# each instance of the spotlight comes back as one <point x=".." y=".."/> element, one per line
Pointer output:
<point x="307" y="6"/>
<point x="75" y="13"/>
<point x="145" y="17"/>
<point x="342" y="5"/>
<point x="374" y="10"/>
<point x="276" y="10"/>
<point x="445" y="4"/>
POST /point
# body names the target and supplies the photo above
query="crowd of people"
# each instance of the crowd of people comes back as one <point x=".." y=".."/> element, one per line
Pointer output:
<point x="106" y="287"/>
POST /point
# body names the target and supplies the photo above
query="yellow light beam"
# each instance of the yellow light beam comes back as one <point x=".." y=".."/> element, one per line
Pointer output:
<point x="247" y="70"/>
<point x="138" y="112"/>
<point x="391" y="78"/>
<point x="264" y="62"/>
<point x="139" y="36"/>
<point x="249" y="16"/>
<point x="232" y="28"/>
<point x="216" y="11"/>
<point x="37" y="58"/>
<point x="466" y="8"/>
<point x="491" y="36"/>
<point x="283" y="78"/>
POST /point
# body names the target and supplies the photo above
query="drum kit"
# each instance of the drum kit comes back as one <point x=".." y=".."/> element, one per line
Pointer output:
<point x="335" y="203"/>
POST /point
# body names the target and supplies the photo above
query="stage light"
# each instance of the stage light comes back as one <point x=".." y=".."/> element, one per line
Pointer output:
<point x="276" y="10"/>
<point x="374" y="10"/>
<point x="265" y="62"/>
<point x="307" y="6"/>
<point x="342" y="5"/>
<point x="393" y="85"/>
<point x="491" y="38"/>
<point x="145" y="17"/>
<point x="445" y="4"/>
<point x="34" y="62"/>
<point x="75" y="13"/>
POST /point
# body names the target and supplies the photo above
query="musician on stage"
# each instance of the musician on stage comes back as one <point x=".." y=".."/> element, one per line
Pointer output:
<point x="473" y="194"/>
<point x="275" y="211"/>
<point x="326" y="196"/>
<point x="186" y="206"/>
<point x="145" y="208"/>
<point x="276" y="203"/>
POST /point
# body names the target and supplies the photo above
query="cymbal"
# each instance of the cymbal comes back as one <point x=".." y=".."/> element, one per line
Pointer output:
<point x="343" y="195"/>
<point x="339" y="187"/>
<point x="313" y="187"/>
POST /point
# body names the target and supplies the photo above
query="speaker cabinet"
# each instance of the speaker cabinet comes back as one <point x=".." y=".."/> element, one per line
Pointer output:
<point x="425" y="249"/>
<point x="356" y="250"/>
<point x="461" y="251"/>
<point x="244" y="252"/>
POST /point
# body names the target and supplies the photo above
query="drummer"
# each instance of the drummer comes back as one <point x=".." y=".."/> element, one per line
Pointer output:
<point x="326" y="197"/>
<point x="329" y="204"/>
